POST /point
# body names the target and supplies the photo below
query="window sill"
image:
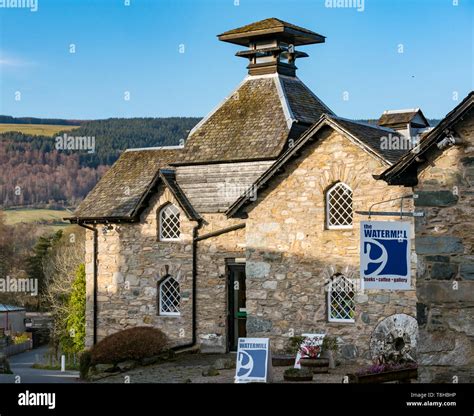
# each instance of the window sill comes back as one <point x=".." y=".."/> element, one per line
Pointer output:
<point x="342" y="322"/>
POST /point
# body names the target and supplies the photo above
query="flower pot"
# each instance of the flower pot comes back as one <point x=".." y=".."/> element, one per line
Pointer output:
<point x="283" y="360"/>
<point x="330" y="356"/>
<point x="316" y="365"/>
<point x="298" y="375"/>
<point x="401" y="376"/>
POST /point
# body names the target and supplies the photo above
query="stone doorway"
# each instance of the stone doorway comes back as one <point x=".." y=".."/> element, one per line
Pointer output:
<point x="236" y="313"/>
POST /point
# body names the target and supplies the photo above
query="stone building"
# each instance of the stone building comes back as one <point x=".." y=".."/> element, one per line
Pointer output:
<point x="441" y="172"/>
<point x="250" y="228"/>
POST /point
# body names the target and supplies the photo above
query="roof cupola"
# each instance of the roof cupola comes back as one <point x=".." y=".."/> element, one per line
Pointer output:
<point x="271" y="45"/>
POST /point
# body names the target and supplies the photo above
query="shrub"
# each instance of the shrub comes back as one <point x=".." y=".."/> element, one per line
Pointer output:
<point x="20" y="339"/>
<point x="4" y="365"/>
<point x="74" y="337"/>
<point x="129" y="344"/>
<point x="84" y="364"/>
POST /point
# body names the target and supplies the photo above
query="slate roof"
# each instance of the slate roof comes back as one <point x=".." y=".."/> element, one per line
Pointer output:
<point x="296" y="34"/>
<point x="372" y="136"/>
<point x="390" y="118"/>
<point x="253" y="123"/>
<point x="366" y="135"/>
<point x="270" y="23"/>
<point x="305" y="106"/>
<point x="168" y="177"/>
<point x="121" y="191"/>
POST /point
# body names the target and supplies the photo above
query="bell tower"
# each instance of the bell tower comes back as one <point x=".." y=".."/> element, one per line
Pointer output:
<point x="271" y="45"/>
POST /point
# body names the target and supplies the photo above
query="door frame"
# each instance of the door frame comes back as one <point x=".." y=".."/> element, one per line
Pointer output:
<point x="231" y="264"/>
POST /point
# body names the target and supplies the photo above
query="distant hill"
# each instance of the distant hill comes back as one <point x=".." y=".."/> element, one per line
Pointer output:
<point x="114" y="135"/>
<point x="36" y="174"/>
<point x="34" y="120"/>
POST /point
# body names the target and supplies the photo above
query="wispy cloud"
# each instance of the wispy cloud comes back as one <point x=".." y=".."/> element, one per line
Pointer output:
<point x="11" y="62"/>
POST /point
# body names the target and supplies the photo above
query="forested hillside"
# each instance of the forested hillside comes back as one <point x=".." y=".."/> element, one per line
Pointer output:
<point x="35" y="120"/>
<point x="34" y="173"/>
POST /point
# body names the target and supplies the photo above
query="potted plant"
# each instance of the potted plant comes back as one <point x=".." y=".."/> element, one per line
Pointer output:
<point x="310" y="357"/>
<point x="292" y="348"/>
<point x="395" y="361"/>
<point x="384" y="373"/>
<point x="329" y="350"/>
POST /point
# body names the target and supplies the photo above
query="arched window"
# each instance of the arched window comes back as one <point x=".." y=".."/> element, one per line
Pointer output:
<point x="169" y="296"/>
<point x="169" y="223"/>
<point x="339" y="206"/>
<point x="341" y="305"/>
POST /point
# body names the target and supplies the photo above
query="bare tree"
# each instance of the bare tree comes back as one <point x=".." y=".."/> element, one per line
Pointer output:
<point x="60" y="271"/>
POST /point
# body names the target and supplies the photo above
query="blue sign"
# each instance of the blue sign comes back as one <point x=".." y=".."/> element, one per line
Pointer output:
<point x="253" y="360"/>
<point x="385" y="255"/>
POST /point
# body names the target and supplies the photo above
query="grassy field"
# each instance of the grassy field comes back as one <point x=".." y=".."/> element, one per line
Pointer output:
<point x="35" y="129"/>
<point x="50" y="218"/>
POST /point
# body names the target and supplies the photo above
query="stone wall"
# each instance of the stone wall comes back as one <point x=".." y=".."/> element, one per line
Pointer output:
<point x="131" y="262"/>
<point x="445" y="248"/>
<point x="212" y="255"/>
<point x="291" y="254"/>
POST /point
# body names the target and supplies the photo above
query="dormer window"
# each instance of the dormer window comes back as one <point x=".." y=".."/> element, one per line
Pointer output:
<point x="169" y="223"/>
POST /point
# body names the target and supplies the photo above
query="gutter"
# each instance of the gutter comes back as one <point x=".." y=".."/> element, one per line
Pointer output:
<point x="194" y="291"/>
<point x="95" y="259"/>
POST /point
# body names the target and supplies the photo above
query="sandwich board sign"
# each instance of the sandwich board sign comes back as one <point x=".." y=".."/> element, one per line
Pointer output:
<point x="309" y="339"/>
<point x="253" y="360"/>
<point x="385" y="255"/>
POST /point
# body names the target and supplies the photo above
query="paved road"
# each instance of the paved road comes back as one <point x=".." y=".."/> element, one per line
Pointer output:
<point x="20" y="365"/>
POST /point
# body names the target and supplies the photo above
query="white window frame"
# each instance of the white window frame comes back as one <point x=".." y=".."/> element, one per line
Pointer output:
<point x="340" y="320"/>
<point x="160" y="292"/>
<point x="328" y="207"/>
<point x="160" y="223"/>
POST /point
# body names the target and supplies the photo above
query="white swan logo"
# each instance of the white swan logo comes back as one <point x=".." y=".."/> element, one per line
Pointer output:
<point x="242" y="366"/>
<point x="366" y="260"/>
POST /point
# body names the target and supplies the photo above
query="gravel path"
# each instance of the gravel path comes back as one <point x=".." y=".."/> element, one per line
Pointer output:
<point x="190" y="368"/>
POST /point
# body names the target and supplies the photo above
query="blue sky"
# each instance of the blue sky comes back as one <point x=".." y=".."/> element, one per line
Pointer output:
<point x="136" y="48"/>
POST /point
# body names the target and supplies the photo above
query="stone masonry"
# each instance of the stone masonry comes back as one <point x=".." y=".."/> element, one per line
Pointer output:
<point x="445" y="248"/>
<point x="291" y="255"/>
<point x="131" y="262"/>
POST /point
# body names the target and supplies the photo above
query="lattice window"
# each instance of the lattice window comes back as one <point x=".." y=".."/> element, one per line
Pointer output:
<point x="170" y="297"/>
<point x="169" y="223"/>
<point x="339" y="206"/>
<point x="341" y="305"/>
